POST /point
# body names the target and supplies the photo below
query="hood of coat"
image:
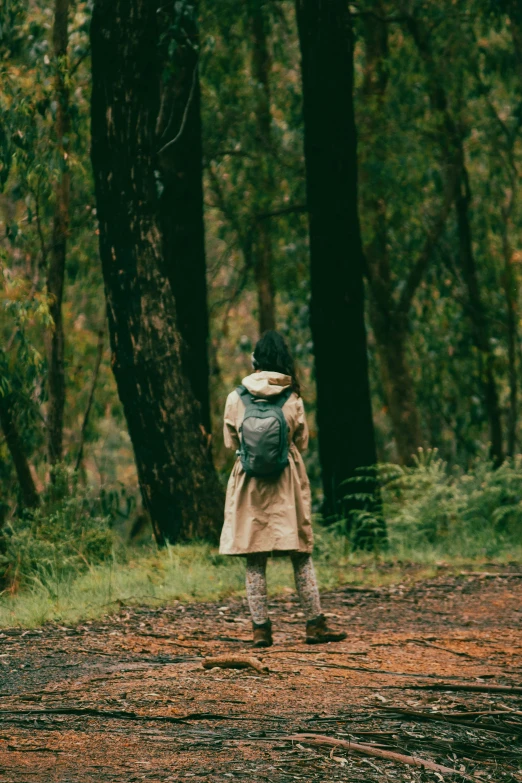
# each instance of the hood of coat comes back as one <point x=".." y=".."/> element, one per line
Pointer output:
<point x="266" y="384"/>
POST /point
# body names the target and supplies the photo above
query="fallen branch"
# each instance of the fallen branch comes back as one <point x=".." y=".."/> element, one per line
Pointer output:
<point x="93" y="712"/>
<point x="28" y="749"/>
<point x="425" y="643"/>
<point x="235" y="662"/>
<point x="480" y="713"/>
<point x="447" y="686"/>
<point x="319" y="740"/>
<point x="449" y="718"/>
<point x="283" y="651"/>
<point x="384" y="672"/>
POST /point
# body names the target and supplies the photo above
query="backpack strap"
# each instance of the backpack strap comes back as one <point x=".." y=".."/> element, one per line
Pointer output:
<point x="245" y="394"/>
<point x="283" y="397"/>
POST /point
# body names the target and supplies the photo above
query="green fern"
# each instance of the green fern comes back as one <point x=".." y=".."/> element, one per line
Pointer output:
<point x="428" y="505"/>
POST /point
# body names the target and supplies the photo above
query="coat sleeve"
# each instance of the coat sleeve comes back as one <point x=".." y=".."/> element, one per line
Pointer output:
<point x="230" y="433"/>
<point x="301" y="430"/>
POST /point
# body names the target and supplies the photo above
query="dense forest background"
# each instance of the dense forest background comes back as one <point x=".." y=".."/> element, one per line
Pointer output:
<point x="437" y="96"/>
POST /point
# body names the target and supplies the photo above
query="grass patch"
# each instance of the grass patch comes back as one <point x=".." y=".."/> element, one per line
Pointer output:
<point x="197" y="573"/>
<point x="65" y="563"/>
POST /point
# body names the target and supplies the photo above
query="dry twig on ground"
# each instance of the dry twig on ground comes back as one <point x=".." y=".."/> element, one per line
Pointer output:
<point x="370" y="750"/>
<point x="467" y="687"/>
<point x="235" y="662"/>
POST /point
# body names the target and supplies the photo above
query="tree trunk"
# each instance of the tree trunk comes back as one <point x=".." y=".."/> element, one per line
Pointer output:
<point x="344" y="416"/>
<point x="56" y="271"/>
<point x="178" y="483"/>
<point x="478" y="313"/>
<point x="28" y="491"/>
<point x="264" y="277"/>
<point x="181" y="202"/>
<point x="390" y="332"/>
<point x="263" y="251"/>
<point x="389" y="325"/>
<point x="399" y="391"/>
<point x="511" y="297"/>
<point x="510" y="284"/>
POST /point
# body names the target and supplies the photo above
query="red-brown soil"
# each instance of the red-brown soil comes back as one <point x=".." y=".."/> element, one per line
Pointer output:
<point x="127" y="698"/>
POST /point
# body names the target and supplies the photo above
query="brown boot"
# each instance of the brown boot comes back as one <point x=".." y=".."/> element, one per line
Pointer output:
<point x="263" y="634"/>
<point x="317" y="632"/>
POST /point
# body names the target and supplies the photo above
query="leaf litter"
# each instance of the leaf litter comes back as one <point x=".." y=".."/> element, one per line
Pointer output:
<point x="114" y="700"/>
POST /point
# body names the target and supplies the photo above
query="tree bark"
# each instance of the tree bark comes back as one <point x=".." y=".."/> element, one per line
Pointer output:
<point x="57" y="257"/>
<point x="181" y="165"/>
<point x="389" y="324"/>
<point x="264" y="276"/>
<point x="179" y="486"/>
<point x="28" y="491"/>
<point x="344" y="415"/>
<point x="478" y="313"/>
<point x="400" y="395"/>
<point x="391" y="333"/>
<point x="509" y="281"/>
<point x="263" y="251"/>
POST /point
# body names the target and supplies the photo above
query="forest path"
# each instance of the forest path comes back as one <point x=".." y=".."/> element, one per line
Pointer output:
<point x="99" y="702"/>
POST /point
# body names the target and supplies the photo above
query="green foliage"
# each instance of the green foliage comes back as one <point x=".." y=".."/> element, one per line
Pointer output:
<point x="400" y="163"/>
<point x="195" y="572"/>
<point x="62" y="538"/>
<point x="21" y="363"/>
<point x="430" y="507"/>
<point x="29" y="167"/>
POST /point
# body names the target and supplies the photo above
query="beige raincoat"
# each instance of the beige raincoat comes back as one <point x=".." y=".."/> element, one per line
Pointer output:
<point x="267" y="514"/>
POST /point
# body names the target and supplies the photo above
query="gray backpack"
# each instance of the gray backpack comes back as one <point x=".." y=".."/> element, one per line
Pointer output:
<point x="263" y="434"/>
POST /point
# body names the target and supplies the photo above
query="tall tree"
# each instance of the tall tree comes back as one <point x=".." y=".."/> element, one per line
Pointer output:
<point x="513" y="9"/>
<point x="344" y="415"/>
<point x="181" y="201"/>
<point x="511" y="295"/>
<point x="451" y="139"/>
<point x="57" y="256"/>
<point x="388" y="322"/>
<point x="178" y="483"/>
<point x="263" y="251"/>
<point x="390" y="304"/>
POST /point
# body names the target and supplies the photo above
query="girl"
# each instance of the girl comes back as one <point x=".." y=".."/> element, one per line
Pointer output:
<point x="272" y="514"/>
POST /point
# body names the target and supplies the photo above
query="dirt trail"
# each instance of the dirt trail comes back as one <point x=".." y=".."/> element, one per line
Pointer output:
<point x="127" y="698"/>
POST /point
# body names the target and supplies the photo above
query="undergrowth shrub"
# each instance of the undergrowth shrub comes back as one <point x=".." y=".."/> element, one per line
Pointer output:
<point x="454" y="512"/>
<point x="71" y="565"/>
<point x="63" y="537"/>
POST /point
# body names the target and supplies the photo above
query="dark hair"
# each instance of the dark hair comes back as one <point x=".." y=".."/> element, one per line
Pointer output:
<point x="272" y="354"/>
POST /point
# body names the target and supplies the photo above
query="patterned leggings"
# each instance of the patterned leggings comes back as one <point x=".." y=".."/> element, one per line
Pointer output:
<point x="305" y="583"/>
